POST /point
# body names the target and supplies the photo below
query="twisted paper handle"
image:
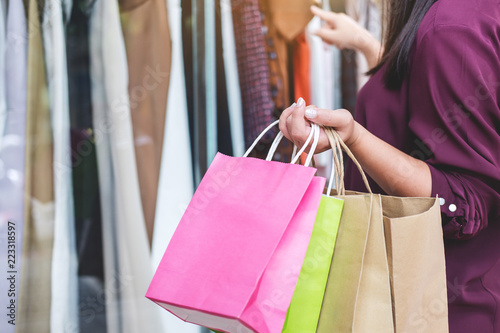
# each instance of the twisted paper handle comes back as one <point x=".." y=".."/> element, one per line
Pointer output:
<point x="337" y="143"/>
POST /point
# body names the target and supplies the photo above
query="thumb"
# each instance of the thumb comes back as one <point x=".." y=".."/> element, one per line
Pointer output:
<point x="329" y="118"/>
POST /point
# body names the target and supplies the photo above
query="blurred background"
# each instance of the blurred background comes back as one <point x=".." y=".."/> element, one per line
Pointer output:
<point x="110" y="114"/>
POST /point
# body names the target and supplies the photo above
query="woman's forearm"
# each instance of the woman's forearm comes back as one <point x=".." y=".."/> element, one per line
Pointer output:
<point x="371" y="49"/>
<point x="344" y="32"/>
<point x="394" y="171"/>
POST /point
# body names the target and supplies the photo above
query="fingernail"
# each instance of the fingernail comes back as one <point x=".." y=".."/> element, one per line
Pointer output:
<point x="311" y="113"/>
<point x="293" y="105"/>
<point x="301" y="102"/>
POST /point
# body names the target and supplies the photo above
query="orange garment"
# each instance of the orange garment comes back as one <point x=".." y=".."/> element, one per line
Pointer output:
<point x="302" y="72"/>
<point x="290" y="17"/>
<point x="302" y="68"/>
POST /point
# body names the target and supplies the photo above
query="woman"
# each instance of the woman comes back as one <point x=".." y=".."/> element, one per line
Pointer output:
<point x="428" y="123"/>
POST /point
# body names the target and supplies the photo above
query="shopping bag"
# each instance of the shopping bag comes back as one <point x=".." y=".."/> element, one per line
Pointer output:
<point x="305" y="307"/>
<point x="380" y="239"/>
<point x="358" y="295"/>
<point x="234" y="260"/>
<point x="415" y="251"/>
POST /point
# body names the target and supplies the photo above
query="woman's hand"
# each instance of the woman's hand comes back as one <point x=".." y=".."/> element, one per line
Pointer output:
<point x="345" y="33"/>
<point x="396" y="172"/>
<point x="295" y="123"/>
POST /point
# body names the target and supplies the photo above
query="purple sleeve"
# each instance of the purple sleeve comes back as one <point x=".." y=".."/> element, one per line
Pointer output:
<point x="454" y="111"/>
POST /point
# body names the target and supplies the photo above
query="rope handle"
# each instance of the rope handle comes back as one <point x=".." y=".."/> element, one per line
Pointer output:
<point x="337" y="173"/>
<point x="337" y="143"/>
<point x="314" y="136"/>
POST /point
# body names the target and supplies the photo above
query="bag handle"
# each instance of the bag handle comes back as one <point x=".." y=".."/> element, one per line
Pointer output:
<point x="267" y="129"/>
<point x="337" y="143"/>
<point x="314" y="136"/>
<point x="337" y="173"/>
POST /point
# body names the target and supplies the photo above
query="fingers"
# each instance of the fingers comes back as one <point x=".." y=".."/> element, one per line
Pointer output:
<point x="329" y="36"/>
<point x="324" y="15"/>
<point x="329" y="118"/>
<point x="299" y="128"/>
<point x="285" y="121"/>
<point x="296" y="127"/>
<point x="293" y="124"/>
<point x="285" y="115"/>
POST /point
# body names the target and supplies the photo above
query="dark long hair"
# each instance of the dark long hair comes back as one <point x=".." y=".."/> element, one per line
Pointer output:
<point x="401" y="21"/>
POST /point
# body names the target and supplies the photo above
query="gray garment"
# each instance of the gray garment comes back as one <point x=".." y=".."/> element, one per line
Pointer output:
<point x="92" y="301"/>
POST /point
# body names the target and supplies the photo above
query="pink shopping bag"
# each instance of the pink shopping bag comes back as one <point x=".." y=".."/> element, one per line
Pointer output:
<point x="235" y="258"/>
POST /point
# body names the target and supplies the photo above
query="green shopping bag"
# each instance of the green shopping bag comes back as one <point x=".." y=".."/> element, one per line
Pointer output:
<point x="305" y="307"/>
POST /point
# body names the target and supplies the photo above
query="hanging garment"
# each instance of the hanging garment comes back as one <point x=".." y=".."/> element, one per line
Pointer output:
<point x="12" y="159"/>
<point x="302" y="68"/>
<point x="253" y="68"/>
<point x="326" y="89"/>
<point x="348" y="65"/>
<point x="301" y="71"/>
<point x="368" y="14"/>
<point x="146" y="33"/>
<point x="3" y="105"/>
<point x="290" y="16"/>
<point x="127" y="268"/>
<point x="223" y="128"/>
<point x="85" y="177"/>
<point x="232" y="79"/>
<point x="64" y="305"/>
<point x="88" y="226"/>
<point x="38" y="240"/>
<point x="67" y="6"/>
<point x="102" y="127"/>
<point x="279" y="37"/>
<point x="277" y="57"/>
<point x="284" y="21"/>
<point x="175" y="189"/>
<point x="349" y="79"/>
<point x="337" y="6"/>
<point x="325" y="68"/>
<point x="208" y="79"/>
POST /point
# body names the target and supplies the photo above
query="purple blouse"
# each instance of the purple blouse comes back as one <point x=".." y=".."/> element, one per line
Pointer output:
<point x="447" y="114"/>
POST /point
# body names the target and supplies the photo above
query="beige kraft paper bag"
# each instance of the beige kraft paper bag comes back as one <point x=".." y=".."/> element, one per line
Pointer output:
<point x="415" y="251"/>
<point x="384" y="239"/>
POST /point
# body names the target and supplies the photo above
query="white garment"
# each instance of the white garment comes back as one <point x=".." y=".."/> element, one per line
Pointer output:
<point x="367" y="14"/>
<point x="127" y="267"/>
<point x="64" y="285"/>
<point x="3" y="103"/>
<point x="176" y="181"/>
<point x="232" y="79"/>
<point x="13" y="51"/>
<point x="325" y="82"/>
